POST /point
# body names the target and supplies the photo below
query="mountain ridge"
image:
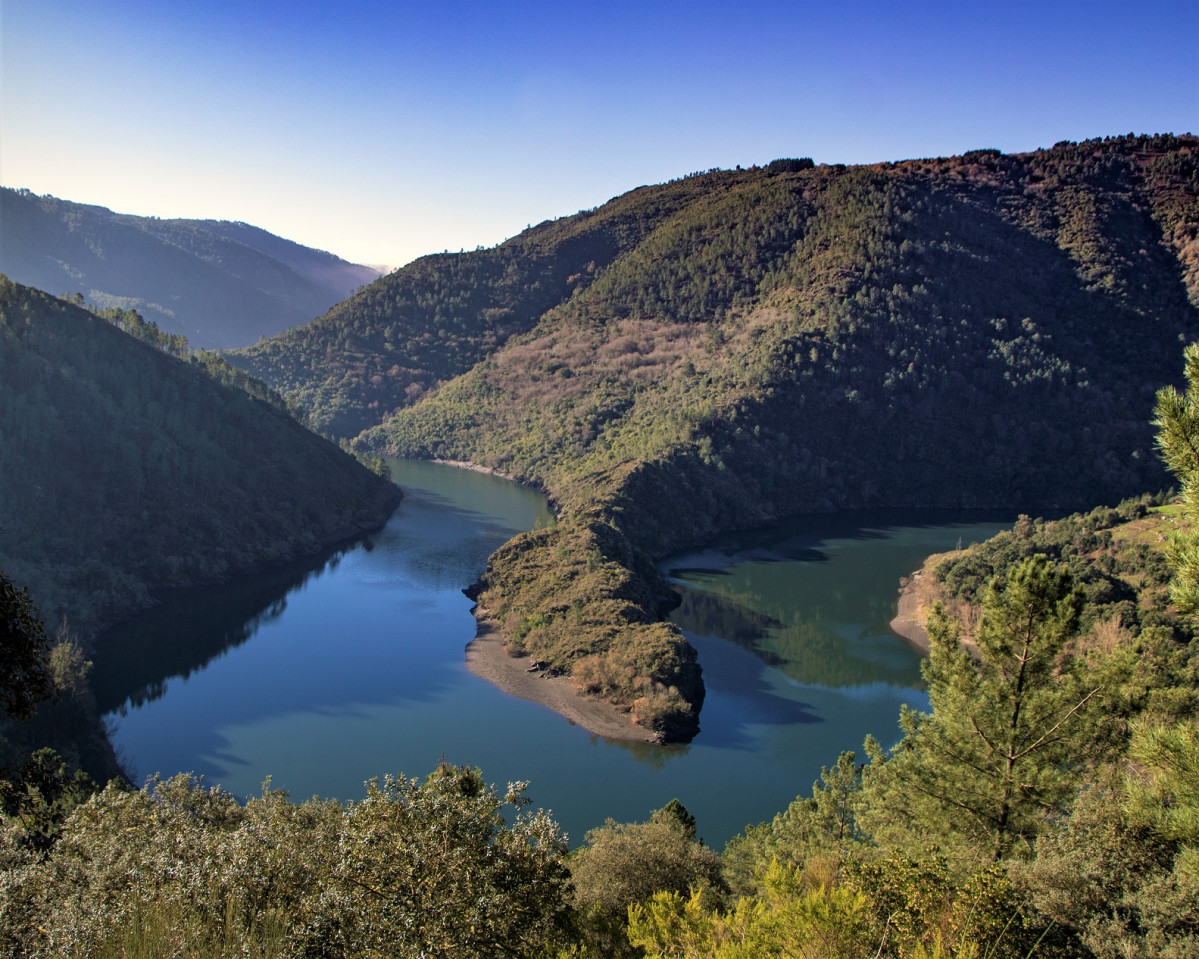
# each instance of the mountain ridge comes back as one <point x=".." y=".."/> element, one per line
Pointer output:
<point x="220" y="284"/>
<point x="732" y="346"/>
<point x="127" y="470"/>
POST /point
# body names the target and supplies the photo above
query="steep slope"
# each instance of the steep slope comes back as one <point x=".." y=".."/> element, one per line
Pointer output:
<point x="981" y="330"/>
<point x="124" y="469"/>
<point x="386" y="347"/>
<point x="987" y="330"/>
<point x="222" y="285"/>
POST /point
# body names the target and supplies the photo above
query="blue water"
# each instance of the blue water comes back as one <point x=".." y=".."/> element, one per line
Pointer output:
<point x="324" y="677"/>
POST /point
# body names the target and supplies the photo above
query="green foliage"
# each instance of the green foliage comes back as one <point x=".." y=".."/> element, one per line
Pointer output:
<point x="1177" y="423"/>
<point x="921" y="907"/>
<point x="578" y="597"/>
<point x="25" y="674"/>
<point x="1112" y="553"/>
<point x="816" y="834"/>
<point x="415" y="868"/>
<point x="821" y="924"/>
<point x="1122" y="867"/>
<point x="785" y="339"/>
<point x="1131" y="642"/>
<point x="125" y="469"/>
<point x="679" y="813"/>
<point x="400" y="337"/>
<point x="1009" y="734"/>
<point x="36" y="798"/>
<point x="136" y="326"/>
<point x="622" y="864"/>
<point x="826" y="338"/>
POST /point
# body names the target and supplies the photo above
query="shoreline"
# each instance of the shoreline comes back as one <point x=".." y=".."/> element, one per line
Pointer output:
<point x="476" y="468"/>
<point x="907" y="623"/>
<point x="487" y="658"/>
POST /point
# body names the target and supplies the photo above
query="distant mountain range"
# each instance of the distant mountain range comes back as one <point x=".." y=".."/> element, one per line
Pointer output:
<point x="222" y="285"/>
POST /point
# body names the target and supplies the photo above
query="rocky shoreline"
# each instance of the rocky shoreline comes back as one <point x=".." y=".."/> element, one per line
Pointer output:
<point x="908" y="622"/>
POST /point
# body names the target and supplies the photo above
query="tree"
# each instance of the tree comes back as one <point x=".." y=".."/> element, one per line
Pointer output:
<point x="1007" y="735"/>
<point x="815" y="834"/>
<point x="39" y="795"/>
<point x="1122" y="869"/>
<point x="448" y="867"/>
<point x="1177" y="422"/>
<point x="434" y="868"/>
<point x="622" y="864"/>
<point x="785" y="920"/>
<point x="25" y="678"/>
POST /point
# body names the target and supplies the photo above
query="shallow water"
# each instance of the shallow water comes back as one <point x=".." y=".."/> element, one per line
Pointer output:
<point x="323" y="676"/>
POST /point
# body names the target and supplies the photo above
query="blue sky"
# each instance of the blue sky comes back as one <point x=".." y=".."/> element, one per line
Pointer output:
<point x="383" y="131"/>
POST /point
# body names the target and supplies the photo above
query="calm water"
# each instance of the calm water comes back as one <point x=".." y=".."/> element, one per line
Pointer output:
<point x="325" y="675"/>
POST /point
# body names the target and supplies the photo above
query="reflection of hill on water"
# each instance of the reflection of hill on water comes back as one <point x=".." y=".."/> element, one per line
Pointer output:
<point x="188" y="630"/>
<point x="804" y="648"/>
<point x="706" y="613"/>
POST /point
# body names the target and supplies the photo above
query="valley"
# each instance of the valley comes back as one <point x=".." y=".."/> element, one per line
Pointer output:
<point x="738" y="406"/>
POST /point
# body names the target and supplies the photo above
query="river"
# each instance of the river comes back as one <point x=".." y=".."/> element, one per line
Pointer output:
<point x="326" y="674"/>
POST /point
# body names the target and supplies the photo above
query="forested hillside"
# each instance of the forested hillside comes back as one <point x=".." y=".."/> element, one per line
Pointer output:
<point x="222" y="285"/>
<point x="981" y="330"/>
<point x="124" y="469"/>
<point x="984" y="330"/>
<point x="390" y="344"/>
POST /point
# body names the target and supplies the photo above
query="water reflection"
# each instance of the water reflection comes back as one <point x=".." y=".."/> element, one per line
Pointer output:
<point x="188" y="629"/>
<point x="643" y="753"/>
<point x="812" y="597"/>
<point x="356" y="668"/>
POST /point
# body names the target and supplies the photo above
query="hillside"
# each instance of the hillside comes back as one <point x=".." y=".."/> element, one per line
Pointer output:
<point x="983" y="330"/>
<point x="222" y="285"/>
<point x="1116" y="556"/>
<point x="124" y="469"/>
<point x="394" y="341"/>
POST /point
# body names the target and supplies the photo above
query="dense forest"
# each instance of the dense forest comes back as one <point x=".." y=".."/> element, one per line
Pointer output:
<point x="982" y="330"/>
<point x="127" y="469"/>
<point x="220" y="284"/>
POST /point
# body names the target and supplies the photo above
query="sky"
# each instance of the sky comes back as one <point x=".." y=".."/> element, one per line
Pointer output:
<point x="382" y="131"/>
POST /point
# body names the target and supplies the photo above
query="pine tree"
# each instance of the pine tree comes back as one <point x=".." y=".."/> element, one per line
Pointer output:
<point x="1177" y="422"/>
<point x="1007" y="736"/>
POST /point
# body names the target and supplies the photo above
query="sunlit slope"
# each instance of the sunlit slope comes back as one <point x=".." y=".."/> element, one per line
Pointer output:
<point x="123" y="469"/>
<point x="980" y="330"/>
<point x="387" y="346"/>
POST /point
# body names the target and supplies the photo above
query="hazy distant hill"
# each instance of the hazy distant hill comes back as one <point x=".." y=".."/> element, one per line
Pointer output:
<point x="222" y="285"/>
<point x="123" y="469"/>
